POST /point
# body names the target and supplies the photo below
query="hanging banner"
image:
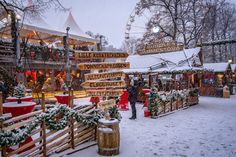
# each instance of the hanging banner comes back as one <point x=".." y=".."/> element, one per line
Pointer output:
<point x="106" y="104"/>
<point x="101" y="66"/>
<point x="103" y="76"/>
<point x="109" y="93"/>
<point x="103" y="84"/>
<point x="80" y="55"/>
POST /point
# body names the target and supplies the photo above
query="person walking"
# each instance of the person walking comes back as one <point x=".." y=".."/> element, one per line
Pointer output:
<point x="133" y="95"/>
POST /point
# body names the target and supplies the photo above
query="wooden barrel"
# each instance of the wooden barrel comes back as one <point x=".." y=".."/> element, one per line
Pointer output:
<point x="108" y="137"/>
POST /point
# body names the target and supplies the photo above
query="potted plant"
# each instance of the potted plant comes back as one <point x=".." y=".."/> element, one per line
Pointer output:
<point x="193" y="96"/>
<point x="19" y="92"/>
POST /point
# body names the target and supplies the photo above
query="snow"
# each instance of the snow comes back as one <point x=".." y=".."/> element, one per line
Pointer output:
<point x="140" y="70"/>
<point x="82" y="102"/>
<point x="108" y="122"/>
<point x="25" y="97"/>
<point x="207" y="129"/>
<point x="217" y="67"/>
<point x="105" y="130"/>
<point x="15" y="104"/>
<point x="146" y="61"/>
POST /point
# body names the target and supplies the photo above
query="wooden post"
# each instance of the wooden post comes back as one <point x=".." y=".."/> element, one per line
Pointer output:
<point x="96" y="128"/>
<point x="43" y="126"/>
<point x="71" y="105"/>
<point x="3" y="151"/>
<point x="164" y="107"/>
<point x="177" y="104"/>
<point x="149" y="80"/>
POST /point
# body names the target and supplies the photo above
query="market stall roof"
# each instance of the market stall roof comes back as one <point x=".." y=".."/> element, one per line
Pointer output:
<point x="146" y="61"/>
<point x="216" y="67"/>
<point x="233" y="67"/>
<point x="179" y="69"/>
<point x="139" y="71"/>
<point x="162" y="61"/>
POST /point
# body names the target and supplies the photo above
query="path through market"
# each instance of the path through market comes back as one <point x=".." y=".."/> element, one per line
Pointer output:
<point x="207" y="129"/>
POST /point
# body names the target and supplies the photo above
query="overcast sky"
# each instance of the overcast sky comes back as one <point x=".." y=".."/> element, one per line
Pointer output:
<point x="107" y="17"/>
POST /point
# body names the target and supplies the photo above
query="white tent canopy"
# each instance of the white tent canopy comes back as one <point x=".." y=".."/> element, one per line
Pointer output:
<point x="216" y="67"/>
<point x="38" y="25"/>
<point x="233" y="67"/>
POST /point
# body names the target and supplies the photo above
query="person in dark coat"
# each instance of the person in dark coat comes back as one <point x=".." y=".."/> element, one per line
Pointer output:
<point x="133" y="95"/>
<point x="3" y="89"/>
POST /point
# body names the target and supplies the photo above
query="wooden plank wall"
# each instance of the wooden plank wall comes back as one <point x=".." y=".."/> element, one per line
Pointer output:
<point x="46" y="142"/>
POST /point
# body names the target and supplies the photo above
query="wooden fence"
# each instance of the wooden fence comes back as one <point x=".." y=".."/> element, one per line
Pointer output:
<point x="46" y="142"/>
<point x="177" y="104"/>
<point x="167" y="107"/>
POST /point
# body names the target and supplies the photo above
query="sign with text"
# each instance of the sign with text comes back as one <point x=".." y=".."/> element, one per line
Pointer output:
<point x="159" y="47"/>
<point x="101" y="66"/>
<point x="103" y="76"/>
<point x="79" y="55"/>
<point x="103" y="84"/>
<point x="109" y="93"/>
<point x="106" y="104"/>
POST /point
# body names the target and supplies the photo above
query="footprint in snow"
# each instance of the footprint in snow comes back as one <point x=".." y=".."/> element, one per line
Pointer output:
<point x="187" y="147"/>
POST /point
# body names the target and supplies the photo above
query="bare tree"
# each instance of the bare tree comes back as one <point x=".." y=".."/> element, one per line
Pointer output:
<point x="220" y="26"/>
<point x="191" y="22"/>
<point x="129" y="46"/>
<point x="34" y="7"/>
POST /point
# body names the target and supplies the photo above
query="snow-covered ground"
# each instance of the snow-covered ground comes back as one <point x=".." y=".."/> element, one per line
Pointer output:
<point x="205" y="130"/>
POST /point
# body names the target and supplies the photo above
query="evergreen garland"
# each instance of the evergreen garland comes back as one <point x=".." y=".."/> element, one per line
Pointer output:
<point x="13" y="137"/>
<point x="155" y="98"/>
<point x="194" y="92"/>
<point x="44" y="52"/>
<point x="152" y="102"/>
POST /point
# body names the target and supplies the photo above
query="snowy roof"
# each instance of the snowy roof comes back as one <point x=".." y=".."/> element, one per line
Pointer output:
<point x="180" y="69"/>
<point x="176" y="58"/>
<point x="38" y="24"/>
<point x="74" y="27"/>
<point x="217" y="67"/>
<point x="233" y="67"/>
<point x="140" y="70"/>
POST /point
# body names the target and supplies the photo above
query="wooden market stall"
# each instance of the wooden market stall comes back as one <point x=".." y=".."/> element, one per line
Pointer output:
<point x="42" y="54"/>
<point x="212" y="83"/>
<point x="171" y="73"/>
<point x="165" y="70"/>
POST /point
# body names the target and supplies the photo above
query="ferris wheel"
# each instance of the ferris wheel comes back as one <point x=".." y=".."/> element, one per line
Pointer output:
<point x="142" y="22"/>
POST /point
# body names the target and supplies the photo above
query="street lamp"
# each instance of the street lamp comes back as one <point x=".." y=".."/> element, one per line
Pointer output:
<point x="230" y="61"/>
<point x="67" y="56"/>
<point x="156" y="29"/>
